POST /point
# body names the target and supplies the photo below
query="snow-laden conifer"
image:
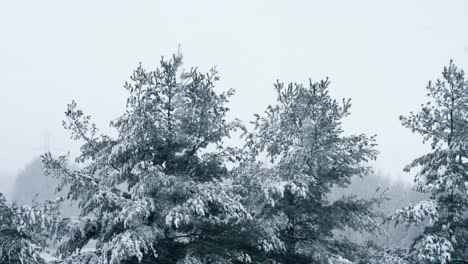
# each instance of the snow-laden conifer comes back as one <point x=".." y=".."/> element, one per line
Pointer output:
<point x="160" y="191"/>
<point x="309" y="153"/>
<point x="25" y="230"/>
<point x="443" y="172"/>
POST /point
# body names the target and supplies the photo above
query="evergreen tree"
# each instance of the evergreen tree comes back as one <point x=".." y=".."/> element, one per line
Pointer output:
<point x="24" y="230"/>
<point x="160" y="192"/>
<point x="309" y="154"/>
<point x="442" y="173"/>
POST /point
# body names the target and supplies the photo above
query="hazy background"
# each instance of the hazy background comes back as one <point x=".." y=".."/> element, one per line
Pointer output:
<point x="379" y="53"/>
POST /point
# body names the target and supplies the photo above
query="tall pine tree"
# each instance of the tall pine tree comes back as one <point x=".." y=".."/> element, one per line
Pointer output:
<point x="309" y="153"/>
<point x="442" y="173"/>
<point x="159" y="192"/>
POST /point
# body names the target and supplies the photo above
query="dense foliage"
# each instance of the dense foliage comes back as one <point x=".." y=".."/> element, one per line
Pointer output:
<point x="309" y="154"/>
<point x="160" y="190"/>
<point x="167" y="189"/>
<point x="24" y="230"/>
<point x="442" y="173"/>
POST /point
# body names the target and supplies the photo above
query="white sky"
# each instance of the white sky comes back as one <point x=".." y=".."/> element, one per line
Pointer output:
<point x="379" y="53"/>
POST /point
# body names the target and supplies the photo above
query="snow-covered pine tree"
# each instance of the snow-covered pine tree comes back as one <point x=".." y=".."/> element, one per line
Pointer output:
<point x="309" y="154"/>
<point x="442" y="173"/>
<point x="160" y="191"/>
<point x="24" y="230"/>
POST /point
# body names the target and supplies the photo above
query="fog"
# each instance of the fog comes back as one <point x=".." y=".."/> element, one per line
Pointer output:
<point x="380" y="54"/>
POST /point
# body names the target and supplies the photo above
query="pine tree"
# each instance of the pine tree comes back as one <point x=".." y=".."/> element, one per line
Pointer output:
<point x="309" y="153"/>
<point x="24" y="230"/>
<point x="443" y="172"/>
<point x="160" y="191"/>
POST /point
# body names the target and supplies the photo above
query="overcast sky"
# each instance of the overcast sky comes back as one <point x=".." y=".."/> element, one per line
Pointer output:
<point x="379" y="53"/>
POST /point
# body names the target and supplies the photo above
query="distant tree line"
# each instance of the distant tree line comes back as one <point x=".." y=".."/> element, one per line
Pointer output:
<point x="168" y="189"/>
